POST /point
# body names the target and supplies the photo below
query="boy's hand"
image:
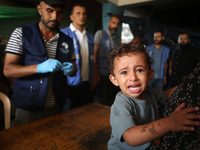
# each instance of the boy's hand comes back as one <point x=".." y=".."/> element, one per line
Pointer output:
<point x="182" y="119"/>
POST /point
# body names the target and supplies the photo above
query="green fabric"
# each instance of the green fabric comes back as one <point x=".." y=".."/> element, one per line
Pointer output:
<point x="12" y="17"/>
<point x="16" y="12"/>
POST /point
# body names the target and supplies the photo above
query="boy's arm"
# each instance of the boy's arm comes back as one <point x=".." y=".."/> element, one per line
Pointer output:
<point x="180" y="120"/>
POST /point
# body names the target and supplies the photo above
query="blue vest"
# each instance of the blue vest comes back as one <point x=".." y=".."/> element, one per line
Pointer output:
<point x="30" y="92"/>
<point x="164" y="58"/>
<point x="76" y="80"/>
<point x="103" y="54"/>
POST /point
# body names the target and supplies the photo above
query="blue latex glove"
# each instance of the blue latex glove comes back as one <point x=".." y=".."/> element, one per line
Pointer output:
<point x="68" y="68"/>
<point x="50" y="65"/>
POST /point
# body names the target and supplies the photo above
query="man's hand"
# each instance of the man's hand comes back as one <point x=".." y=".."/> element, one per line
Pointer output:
<point x="68" y="68"/>
<point x="50" y="65"/>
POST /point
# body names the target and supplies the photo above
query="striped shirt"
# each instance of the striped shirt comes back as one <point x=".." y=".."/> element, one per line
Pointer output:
<point x="15" y="46"/>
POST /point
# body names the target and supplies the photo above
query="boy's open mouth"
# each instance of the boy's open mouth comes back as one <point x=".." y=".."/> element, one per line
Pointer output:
<point x="134" y="88"/>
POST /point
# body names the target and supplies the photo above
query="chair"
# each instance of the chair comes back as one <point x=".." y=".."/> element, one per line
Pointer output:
<point x="7" y="109"/>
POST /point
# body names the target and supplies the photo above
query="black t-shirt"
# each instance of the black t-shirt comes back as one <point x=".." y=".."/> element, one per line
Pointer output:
<point x="184" y="61"/>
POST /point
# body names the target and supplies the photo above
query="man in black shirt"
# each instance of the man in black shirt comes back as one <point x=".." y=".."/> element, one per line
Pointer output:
<point x="184" y="60"/>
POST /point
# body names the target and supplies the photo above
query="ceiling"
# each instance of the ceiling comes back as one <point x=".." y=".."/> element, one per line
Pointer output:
<point x="181" y="13"/>
<point x="178" y="13"/>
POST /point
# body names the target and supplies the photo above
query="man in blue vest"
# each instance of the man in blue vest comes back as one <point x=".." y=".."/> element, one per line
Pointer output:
<point x="80" y="84"/>
<point x="105" y="40"/>
<point x="38" y="56"/>
<point x="160" y="54"/>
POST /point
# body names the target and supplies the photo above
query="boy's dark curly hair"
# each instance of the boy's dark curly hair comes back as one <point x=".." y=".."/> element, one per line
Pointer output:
<point x="125" y="49"/>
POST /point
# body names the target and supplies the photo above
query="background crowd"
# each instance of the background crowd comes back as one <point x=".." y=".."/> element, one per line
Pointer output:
<point x="55" y="70"/>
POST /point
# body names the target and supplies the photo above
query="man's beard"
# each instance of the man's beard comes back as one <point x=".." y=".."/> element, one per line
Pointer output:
<point x="183" y="46"/>
<point x="53" y="27"/>
<point x="158" y="42"/>
<point x="113" y="30"/>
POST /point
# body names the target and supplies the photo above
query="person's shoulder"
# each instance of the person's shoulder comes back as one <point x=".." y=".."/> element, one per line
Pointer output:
<point x="166" y="47"/>
<point x="121" y="101"/>
<point x="177" y="49"/>
<point x="90" y="36"/>
<point x="17" y="32"/>
<point x="29" y="25"/>
<point x="150" y="46"/>
<point x="65" y="30"/>
<point x="195" y="48"/>
<point x="18" y="29"/>
<point x="62" y="34"/>
<point x="88" y="33"/>
<point x="118" y="98"/>
<point x="150" y="89"/>
<point x="153" y="91"/>
<point x="99" y="33"/>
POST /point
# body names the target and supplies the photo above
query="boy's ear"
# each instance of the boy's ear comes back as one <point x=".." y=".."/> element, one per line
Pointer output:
<point x="151" y="73"/>
<point x="113" y="80"/>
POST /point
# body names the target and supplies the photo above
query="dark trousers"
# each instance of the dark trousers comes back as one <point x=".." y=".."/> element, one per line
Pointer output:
<point x="80" y="95"/>
<point x="25" y="116"/>
<point x="106" y="91"/>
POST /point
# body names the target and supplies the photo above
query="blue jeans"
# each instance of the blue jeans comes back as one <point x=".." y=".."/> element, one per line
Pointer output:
<point x="157" y="83"/>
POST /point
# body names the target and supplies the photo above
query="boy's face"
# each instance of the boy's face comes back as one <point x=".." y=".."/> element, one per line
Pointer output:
<point x="132" y="75"/>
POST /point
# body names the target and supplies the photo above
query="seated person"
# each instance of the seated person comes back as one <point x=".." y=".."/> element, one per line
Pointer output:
<point x="189" y="93"/>
<point x="134" y="113"/>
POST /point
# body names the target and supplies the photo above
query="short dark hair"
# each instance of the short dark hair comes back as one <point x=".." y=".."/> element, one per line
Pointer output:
<point x="159" y="30"/>
<point x="77" y="4"/>
<point x="125" y="49"/>
<point x="184" y="33"/>
<point x="114" y="16"/>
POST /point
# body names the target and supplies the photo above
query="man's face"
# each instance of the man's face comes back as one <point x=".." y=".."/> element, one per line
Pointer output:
<point x="132" y="74"/>
<point x="79" y="16"/>
<point x="51" y="16"/>
<point x="183" y="39"/>
<point x="113" y="24"/>
<point x="158" y="37"/>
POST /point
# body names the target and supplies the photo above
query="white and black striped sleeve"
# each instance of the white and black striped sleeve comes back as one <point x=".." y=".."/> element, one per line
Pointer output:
<point x="15" y="42"/>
